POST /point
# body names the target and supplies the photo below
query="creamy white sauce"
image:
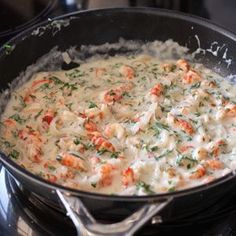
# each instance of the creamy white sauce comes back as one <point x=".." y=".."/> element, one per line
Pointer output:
<point x="135" y="124"/>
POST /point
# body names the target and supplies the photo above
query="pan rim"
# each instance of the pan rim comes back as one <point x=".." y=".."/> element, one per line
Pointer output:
<point x="156" y="11"/>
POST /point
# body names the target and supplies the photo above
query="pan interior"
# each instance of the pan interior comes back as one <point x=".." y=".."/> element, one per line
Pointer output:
<point x="55" y="59"/>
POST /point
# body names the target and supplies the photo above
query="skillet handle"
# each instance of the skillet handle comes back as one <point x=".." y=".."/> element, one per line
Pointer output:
<point x="86" y="225"/>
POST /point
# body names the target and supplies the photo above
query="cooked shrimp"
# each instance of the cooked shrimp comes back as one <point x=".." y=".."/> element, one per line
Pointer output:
<point x="101" y="143"/>
<point x="167" y="67"/>
<point x="115" y="129"/>
<point x="48" y="117"/>
<point x="72" y="161"/>
<point x="191" y="76"/>
<point x="67" y="175"/>
<point x="157" y="90"/>
<point x="214" y="164"/>
<point x="28" y="97"/>
<point x="185" y="148"/>
<point x="127" y="72"/>
<point x="94" y="113"/>
<point x="106" y="175"/>
<point x="218" y="147"/>
<point x="183" y="65"/>
<point x="90" y="126"/>
<point x="51" y="178"/>
<point x="9" y="122"/>
<point x="9" y="125"/>
<point x="128" y="176"/>
<point x="199" y="173"/>
<point x="230" y="111"/>
<point x="113" y="95"/>
<point x="185" y="126"/>
<point x="36" y="83"/>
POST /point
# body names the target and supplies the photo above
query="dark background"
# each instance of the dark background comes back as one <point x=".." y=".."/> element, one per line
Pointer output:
<point x="17" y="15"/>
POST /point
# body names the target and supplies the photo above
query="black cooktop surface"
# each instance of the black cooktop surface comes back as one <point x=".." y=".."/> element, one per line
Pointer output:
<point x="23" y="214"/>
<point x="17" y="15"/>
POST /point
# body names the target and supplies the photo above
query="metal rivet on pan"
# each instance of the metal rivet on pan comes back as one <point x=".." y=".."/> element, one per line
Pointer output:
<point x="156" y="220"/>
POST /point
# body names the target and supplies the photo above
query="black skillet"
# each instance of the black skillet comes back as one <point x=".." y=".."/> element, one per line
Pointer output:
<point x="98" y="27"/>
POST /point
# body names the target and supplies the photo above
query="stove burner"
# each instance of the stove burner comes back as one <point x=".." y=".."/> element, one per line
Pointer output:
<point x="34" y="214"/>
<point x="18" y="15"/>
<point x="26" y="13"/>
<point x="43" y="218"/>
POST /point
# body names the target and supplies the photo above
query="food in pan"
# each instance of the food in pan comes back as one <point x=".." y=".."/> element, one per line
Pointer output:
<point x="127" y="125"/>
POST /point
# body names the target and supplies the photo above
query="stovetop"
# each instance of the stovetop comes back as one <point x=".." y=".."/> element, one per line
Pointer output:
<point x="23" y="214"/>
